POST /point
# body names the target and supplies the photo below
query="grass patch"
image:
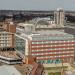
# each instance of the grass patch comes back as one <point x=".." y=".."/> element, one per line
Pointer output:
<point x="56" y="73"/>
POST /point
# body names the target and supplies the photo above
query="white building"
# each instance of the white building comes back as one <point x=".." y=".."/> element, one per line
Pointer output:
<point x="59" y="17"/>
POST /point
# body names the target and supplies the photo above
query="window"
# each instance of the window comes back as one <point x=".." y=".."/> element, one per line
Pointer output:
<point x="56" y="41"/>
<point x="64" y="44"/>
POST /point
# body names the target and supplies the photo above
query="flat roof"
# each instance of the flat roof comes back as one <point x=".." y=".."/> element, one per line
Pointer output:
<point x="52" y="34"/>
<point x="9" y="70"/>
<point x="24" y="69"/>
<point x="25" y="24"/>
<point x="48" y="32"/>
<point x="9" y="55"/>
<point x="73" y="27"/>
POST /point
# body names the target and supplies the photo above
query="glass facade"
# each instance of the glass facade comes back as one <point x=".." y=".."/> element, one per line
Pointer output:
<point x="49" y="61"/>
<point x="20" y="44"/>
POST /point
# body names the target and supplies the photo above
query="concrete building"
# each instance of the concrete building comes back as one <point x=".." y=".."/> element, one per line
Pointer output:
<point x="7" y="30"/>
<point x="9" y="26"/>
<point x="6" y="40"/>
<point x="26" y="27"/>
<point x="1" y="25"/>
<point x="7" y="52"/>
<point x="59" y="17"/>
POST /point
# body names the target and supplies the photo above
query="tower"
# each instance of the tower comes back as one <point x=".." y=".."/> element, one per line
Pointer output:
<point x="59" y="17"/>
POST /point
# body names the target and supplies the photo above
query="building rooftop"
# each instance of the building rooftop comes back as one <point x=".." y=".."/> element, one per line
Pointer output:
<point x="25" y="24"/>
<point x="9" y="70"/>
<point x="24" y="69"/>
<point x="53" y="32"/>
<point x="47" y="35"/>
<point x="9" y="55"/>
<point x="73" y="27"/>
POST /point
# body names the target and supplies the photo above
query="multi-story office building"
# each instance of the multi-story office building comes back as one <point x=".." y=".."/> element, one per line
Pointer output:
<point x="47" y="46"/>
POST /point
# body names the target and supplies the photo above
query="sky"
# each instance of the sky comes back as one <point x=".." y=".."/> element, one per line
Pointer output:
<point x="37" y="4"/>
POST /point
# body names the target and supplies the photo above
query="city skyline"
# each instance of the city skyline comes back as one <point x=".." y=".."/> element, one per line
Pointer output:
<point x="37" y="4"/>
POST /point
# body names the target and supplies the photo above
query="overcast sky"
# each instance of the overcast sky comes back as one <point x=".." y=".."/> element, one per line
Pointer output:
<point x="37" y="4"/>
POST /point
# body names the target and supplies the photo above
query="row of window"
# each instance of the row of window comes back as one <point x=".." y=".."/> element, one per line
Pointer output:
<point x="47" y="57"/>
<point x="51" y="38"/>
<point x="56" y="61"/>
<point x="49" y="61"/>
<point x="44" y="48"/>
<point x="49" y="42"/>
<point x="51" y="35"/>
<point x="20" y="44"/>
<point x="54" y="52"/>
<point x="1" y="34"/>
<point x="4" y="45"/>
<point x="53" y="49"/>
<point x="72" y="52"/>
<point x="4" y="37"/>
<point x="52" y="45"/>
<point x="20" y="40"/>
<point x="4" y="40"/>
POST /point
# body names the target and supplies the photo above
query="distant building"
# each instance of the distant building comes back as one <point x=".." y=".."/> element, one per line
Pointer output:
<point x="56" y="23"/>
<point x="9" y="26"/>
<point x="26" y="27"/>
<point x="59" y="17"/>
